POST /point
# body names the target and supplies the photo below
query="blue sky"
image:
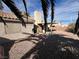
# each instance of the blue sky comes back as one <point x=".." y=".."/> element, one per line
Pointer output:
<point x="65" y="10"/>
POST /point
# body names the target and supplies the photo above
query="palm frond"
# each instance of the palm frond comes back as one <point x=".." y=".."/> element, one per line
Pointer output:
<point x="77" y="24"/>
<point x="3" y="21"/>
<point x="52" y="10"/>
<point x="25" y="5"/>
<point x="1" y="6"/>
<point x="15" y="10"/>
<point x="45" y="11"/>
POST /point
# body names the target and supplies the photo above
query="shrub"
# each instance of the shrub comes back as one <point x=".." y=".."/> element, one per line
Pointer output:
<point x="71" y="27"/>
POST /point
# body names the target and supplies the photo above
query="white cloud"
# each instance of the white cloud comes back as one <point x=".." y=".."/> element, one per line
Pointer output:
<point x="67" y="10"/>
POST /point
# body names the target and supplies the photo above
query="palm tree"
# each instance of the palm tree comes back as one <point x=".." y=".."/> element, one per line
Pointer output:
<point x="45" y="7"/>
<point x="45" y="10"/>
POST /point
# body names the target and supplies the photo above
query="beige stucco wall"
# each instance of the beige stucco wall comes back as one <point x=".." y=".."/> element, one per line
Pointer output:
<point x="13" y="28"/>
<point x="28" y="28"/>
<point x="2" y="30"/>
<point x="57" y="27"/>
